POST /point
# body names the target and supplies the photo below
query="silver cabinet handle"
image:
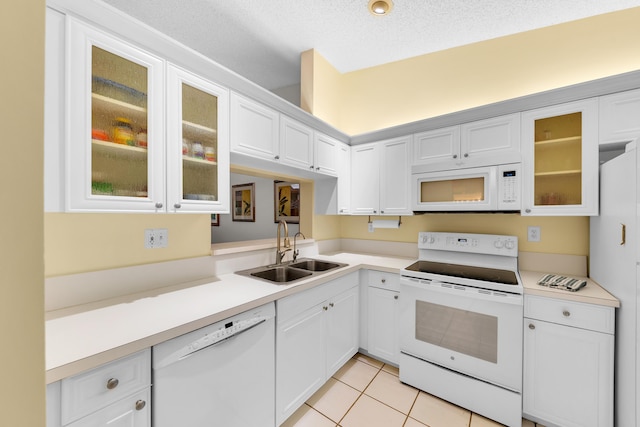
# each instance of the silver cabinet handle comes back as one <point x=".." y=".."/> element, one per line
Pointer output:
<point x="375" y="211"/>
<point x="311" y="167"/>
<point x="325" y="308"/>
<point x="330" y="304"/>
<point x="112" y="383"/>
<point x="527" y="210"/>
<point x="277" y="157"/>
<point x="532" y="326"/>
<point x="455" y="156"/>
<point x="384" y="280"/>
<point x="566" y="313"/>
<point x="177" y="206"/>
<point x="140" y="404"/>
<point x="466" y="154"/>
<point x="395" y="297"/>
<point x="158" y="205"/>
<point x="318" y="168"/>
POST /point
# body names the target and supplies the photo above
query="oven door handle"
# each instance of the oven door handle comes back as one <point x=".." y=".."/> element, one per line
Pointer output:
<point x="467" y="291"/>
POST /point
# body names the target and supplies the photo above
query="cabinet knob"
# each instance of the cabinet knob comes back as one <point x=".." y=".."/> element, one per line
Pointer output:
<point x="325" y="308"/>
<point x="527" y="210"/>
<point x="381" y="212"/>
<point x="455" y="156"/>
<point x="532" y="326"/>
<point x="395" y="297"/>
<point x="375" y="211"/>
<point x="140" y="404"/>
<point x="384" y="280"/>
<point x="318" y="168"/>
<point x="311" y="167"/>
<point x="158" y="205"/>
<point x="177" y="206"/>
<point x="277" y="157"/>
<point x="330" y="304"/>
<point x="566" y="313"/>
<point x="112" y="383"/>
<point x="466" y="154"/>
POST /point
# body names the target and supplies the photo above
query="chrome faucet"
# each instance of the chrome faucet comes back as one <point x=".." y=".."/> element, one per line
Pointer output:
<point x="287" y="245"/>
<point x="296" y="251"/>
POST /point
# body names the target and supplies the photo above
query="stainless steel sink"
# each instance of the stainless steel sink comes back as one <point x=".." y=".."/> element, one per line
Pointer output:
<point x="281" y="274"/>
<point x="315" y="265"/>
<point x="284" y="274"/>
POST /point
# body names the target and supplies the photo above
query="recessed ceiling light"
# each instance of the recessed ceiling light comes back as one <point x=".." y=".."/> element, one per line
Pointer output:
<point x="380" y="7"/>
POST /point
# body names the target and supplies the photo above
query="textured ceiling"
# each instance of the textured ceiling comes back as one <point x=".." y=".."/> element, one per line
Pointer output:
<point x="262" y="39"/>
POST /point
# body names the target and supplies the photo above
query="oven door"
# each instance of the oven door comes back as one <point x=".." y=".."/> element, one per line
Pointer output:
<point x="473" y="331"/>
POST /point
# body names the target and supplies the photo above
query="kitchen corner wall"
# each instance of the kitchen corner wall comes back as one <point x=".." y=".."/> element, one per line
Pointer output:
<point x="473" y="75"/>
<point x="559" y="235"/>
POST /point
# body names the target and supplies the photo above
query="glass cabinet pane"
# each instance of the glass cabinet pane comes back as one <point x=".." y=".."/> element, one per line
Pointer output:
<point x="118" y="126"/>
<point x="558" y="160"/>
<point x="199" y="144"/>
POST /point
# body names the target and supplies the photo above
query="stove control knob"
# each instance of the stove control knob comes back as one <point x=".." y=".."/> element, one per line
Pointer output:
<point x="509" y="244"/>
<point x="498" y="244"/>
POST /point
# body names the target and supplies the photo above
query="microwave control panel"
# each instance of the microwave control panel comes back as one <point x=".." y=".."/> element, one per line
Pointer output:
<point x="509" y="187"/>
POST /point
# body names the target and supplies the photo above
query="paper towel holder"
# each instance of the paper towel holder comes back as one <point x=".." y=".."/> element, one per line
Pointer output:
<point x="399" y="220"/>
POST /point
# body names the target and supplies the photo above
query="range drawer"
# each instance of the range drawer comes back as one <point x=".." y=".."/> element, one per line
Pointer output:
<point x="580" y="315"/>
<point x="85" y="393"/>
<point x="384" y="279"/>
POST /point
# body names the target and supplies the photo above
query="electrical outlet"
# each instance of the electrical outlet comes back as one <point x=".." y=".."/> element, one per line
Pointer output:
<point x="156" y="238"/>
<point x="533" y="234"/>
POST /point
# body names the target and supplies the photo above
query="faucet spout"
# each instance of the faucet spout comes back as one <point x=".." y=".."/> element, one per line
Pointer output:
<point x="287" y="245"/>
<point x="296" y="252"/>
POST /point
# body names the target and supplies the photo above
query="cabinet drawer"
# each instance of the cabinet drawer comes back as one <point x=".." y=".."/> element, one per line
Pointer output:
<point x="134" y="410"/>
<point x="384" y="279"/>
<point x="85" y="393"/>
<point x="586" y="316"/>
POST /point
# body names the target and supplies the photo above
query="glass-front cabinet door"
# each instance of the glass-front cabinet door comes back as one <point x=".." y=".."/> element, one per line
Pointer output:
<point x="115" y="140"/>
<point x="560" y="159"/>
<point x="198" y="144"/>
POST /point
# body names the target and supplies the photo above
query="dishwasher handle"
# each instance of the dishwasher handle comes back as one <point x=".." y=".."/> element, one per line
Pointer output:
<point x="211" y="340"/>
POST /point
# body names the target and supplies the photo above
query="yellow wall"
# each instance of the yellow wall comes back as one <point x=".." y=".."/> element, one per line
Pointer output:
<point x="22" y="396"/>
<point x="81" y="242"/>
<point x="560" y="235"/>
<point x="477" y="74"/>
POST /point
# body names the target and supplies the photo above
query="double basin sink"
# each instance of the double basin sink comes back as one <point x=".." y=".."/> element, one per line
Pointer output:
<point x="284" y="274"/>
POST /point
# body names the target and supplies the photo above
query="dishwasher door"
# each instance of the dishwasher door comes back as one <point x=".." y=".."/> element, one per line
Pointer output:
<point x="220" y="375"/>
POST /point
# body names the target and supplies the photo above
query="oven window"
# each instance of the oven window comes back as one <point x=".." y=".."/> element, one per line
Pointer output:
<point x="473" y="334"/>
<point x="452" y="190"/>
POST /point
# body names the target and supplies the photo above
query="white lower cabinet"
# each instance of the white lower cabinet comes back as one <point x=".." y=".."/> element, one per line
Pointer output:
<point x="568" y="363"/>
<point x="316" y="333"/>
<point x="115" y="394"/>
<point x="382" y="316"/>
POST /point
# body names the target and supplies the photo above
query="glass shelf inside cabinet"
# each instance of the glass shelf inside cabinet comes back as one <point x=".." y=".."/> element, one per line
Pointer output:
<point x="119" y="147"/>
<point x="558" y="160"/>
<point x="199" y="144"/>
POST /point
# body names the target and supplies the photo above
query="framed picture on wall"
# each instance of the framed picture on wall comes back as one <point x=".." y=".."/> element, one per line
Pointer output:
<point x="243" y="202"/>
<point x="286" y="201"/>
<point x="215" y="220"/>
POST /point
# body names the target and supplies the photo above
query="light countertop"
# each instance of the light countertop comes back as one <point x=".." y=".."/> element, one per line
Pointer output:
<point x="87" y="338"/>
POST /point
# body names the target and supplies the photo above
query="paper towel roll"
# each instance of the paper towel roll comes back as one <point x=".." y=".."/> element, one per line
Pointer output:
<point x="386" y="223"/>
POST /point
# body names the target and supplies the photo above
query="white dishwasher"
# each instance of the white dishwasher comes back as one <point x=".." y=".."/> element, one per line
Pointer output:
<point x="219" y="375"/>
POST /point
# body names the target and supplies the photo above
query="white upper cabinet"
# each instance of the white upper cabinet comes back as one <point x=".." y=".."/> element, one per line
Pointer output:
<point x="296" y="144"/>
<point x="560" y="159"/>
<point x="197" y="144"/>
<point x="115" y="137"/>
<point x="326" y="156"/>
<point x="380" y="178"/>
<point x="344" y="178"/>
<point x="619" y="117"/>
<point x="255" y="129"/>
<point x="480" y="143"/>
<point x="129" y="116"/>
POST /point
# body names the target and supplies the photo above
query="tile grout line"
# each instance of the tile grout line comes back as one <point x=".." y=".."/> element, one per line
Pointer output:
<point x="361" y="392"/>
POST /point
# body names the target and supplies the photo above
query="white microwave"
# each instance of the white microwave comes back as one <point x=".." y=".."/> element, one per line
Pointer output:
<point x="490" y="188"/>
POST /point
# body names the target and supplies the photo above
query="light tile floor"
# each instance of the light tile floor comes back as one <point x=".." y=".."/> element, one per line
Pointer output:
<point x="367" y="393"/>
